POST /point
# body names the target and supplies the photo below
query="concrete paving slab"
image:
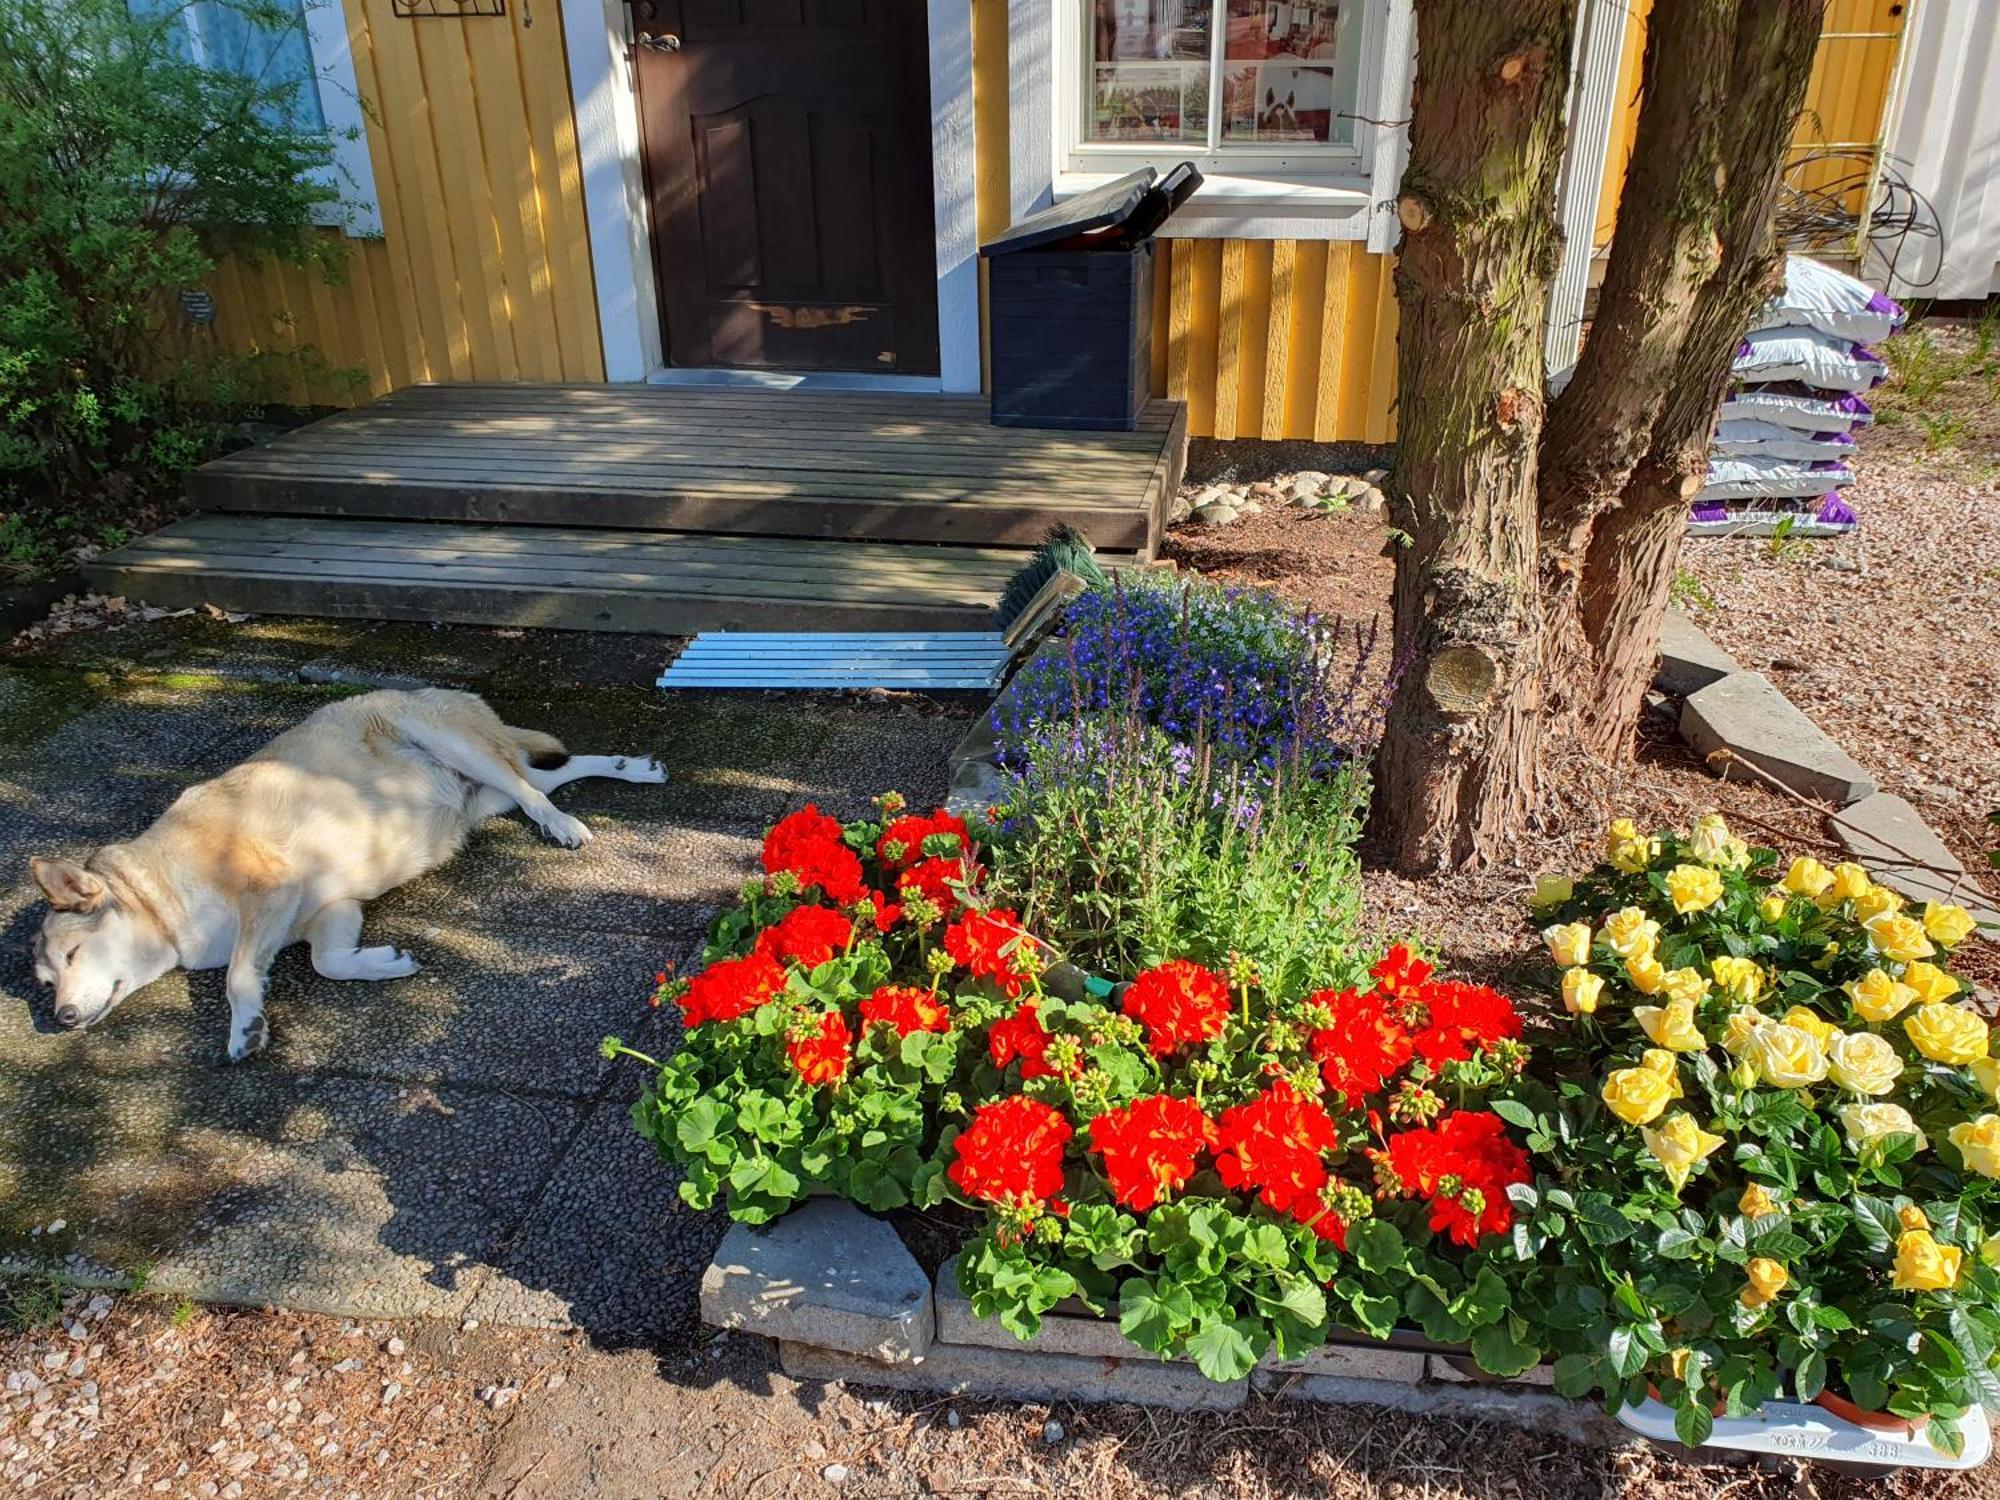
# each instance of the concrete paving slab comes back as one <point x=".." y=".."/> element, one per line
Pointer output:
<point x="1689" y="660"/>
<point x="1891" y="839"/>
<point x="1010" y="1375"/>
<point x="1745" y="713"/>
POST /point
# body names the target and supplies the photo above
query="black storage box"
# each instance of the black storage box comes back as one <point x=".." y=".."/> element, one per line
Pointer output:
<point x="1071" y="290"/>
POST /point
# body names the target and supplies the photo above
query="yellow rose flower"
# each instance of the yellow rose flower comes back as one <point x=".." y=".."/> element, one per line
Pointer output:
<point x="1709" y="840"/>
<point x="1630" y="933"/>
<point x="1807" y="877"/>
<point x="1878" y="997"/>
<point x="1756" y="1202"/>
<point x="1929" y="982"/>
<point x="1637" y="1095"/>
<point x="1950" y="925"/>
<point x="1868" y="1123"/>
<point x="1667" y="1065"/>
<point x="1693" y="888"/>
<point x="1647" y="977"/>
<point x="1740" y="978"/>
<point x="1985" y="1072"/>
<point x="1671" y="1026"/>
<point x="1785" y="1056"/>
<point x="1740" y="1027"/>
<point x="1923" y="1265"/>
<point x="1946" y="1033"/>
<point x="1551" y="890"/>
<point x="1912" y="1217"/>
<point x="1766" y="1278"/>
<point x="1690" y="985"/>
<point x="1989" y="1249"/>
<point x="1679" y="1145"/>
<point x="1621" y="831"/>
<point x="1899" y="938"/>
<point x="1849" y="882"/>
<point x="1823" y="1030"/>
<point x="1772" y="909"/>
<point x="1677" y="1363"/>
<point x="1569" y="943"/>
<point x="1978" y="1141"/>
<point x="1876" y="901"/>
<point x="1581" y="990"/>
<point x="1863" y="1063"/>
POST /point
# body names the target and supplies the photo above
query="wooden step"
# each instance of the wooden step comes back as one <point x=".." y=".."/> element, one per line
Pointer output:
<point x="555" y="578"/>
<point x="795" y="464"/>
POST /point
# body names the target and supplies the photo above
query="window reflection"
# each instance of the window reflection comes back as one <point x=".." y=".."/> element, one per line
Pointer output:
<point x="1279" y="66"/>
<point x="1149" y="70"/>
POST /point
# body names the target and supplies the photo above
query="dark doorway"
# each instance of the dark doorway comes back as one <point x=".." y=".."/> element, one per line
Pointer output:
<point x="788" y="162"/>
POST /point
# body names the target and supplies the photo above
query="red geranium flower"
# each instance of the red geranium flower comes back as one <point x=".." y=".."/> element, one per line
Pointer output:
<point x="1011" y="1153"/>
<point x="1364" y="1047"/>
<point x="1400" y="971"/>
<point x="1150" y="1147"/>
<point x="1021" y="1036"/>
<point x="1273" y="1146"/>
<point x="1462" y="1019"/>
<point x="908" y="1010"/>
<point x="902" y="842"/>
<point x="807" y="936"/>
<point x="983" y="943"/>
<point x="1471" y="1149"/>
<point x="734" y="987"/>
<point x="939" y="881"/>
<point x="808" y="844"/>
<point x="887" y="913"/>
<point x="822" y="1058"/>
<point x="1178" y="1002"/>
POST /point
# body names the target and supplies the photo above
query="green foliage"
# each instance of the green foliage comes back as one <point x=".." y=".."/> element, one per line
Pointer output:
<point x="29" y="1304"/>
<point x="1689" y="592"/>
<point x="124" y="171"/>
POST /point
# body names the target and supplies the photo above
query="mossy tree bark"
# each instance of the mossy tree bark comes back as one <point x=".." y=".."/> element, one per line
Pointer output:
<point x="1528" y="600"/>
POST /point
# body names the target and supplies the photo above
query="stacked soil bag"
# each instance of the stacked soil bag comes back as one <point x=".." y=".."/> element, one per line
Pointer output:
<point x="1787" y="429"/>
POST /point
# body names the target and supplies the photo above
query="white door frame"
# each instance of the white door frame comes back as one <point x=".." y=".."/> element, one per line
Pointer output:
<point x="605" y="101"/>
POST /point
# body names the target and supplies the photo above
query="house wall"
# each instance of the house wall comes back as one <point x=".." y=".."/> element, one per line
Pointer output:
<point x="483" y="268"/>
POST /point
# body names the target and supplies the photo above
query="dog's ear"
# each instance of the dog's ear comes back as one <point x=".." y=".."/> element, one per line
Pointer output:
<point x="67" y="884"/>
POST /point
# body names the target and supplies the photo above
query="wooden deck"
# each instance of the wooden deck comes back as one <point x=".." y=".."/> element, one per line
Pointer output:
<point x="660" y="510"/>
<point x="769" y="463"/>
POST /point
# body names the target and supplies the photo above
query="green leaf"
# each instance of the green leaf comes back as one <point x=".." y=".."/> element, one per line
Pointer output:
<point x="1875" y="1221"/>
<point x="1152" y="1315"/>
<point x="1499" y="1352"/>
<point x="1377" y="1246"/>
<point x="1626" y="1353"/>
<point x="1514" y="1112"/>
<point x="1226" y="1348"/>
<point x="1809" y="1375"/>
<point x="1677" y="1243"/>
<point x="1577" y="1374"/>
<point x="1693" y="1422"/>
<point x="702" y="1122"/>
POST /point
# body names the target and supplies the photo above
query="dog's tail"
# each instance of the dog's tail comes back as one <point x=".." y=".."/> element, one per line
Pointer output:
<point x="544" y="751"/>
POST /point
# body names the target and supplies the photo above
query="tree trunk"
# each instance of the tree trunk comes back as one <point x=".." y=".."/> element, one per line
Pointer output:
<point x="1480" y="244"/>
<point x="1634" y="547"/>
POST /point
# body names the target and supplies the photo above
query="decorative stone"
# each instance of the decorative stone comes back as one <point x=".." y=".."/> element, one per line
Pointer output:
<point x="1689" y="660"/>
<point x="1216" y="515"/>
<point x="1743" y="712"/>
<point x="1369" y="498"/>
<point x="1023" y="1375"/>
<point x="1889" y="837"/>
<point x="1250" y="507"/>
<point x="1215" y="494"/>
<point x="1375" y="476"/>
<point x="1305" y="490"/>
<point x="826" y="1274"/>
<point x="975" y="786"/>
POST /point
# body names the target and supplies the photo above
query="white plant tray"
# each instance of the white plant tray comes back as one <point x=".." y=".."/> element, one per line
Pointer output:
<point x="1812" y="1432"/>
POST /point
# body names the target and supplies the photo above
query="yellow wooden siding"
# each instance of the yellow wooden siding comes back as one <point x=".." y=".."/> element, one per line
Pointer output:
<point x="1845" y="100"/>
<point x="483" y="268"/>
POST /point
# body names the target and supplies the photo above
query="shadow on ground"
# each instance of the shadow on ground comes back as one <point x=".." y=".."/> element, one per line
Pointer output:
<point x="449" y="1144"/>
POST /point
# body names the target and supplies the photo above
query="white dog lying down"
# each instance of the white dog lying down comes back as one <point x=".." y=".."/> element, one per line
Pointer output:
<point x="365" y="794"/>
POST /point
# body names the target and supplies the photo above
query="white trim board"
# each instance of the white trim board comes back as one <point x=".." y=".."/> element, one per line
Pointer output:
<point x="605" y="100"/>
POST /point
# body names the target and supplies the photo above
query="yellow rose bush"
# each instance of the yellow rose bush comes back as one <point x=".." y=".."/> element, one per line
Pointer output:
<point x="1766" y="1134"/>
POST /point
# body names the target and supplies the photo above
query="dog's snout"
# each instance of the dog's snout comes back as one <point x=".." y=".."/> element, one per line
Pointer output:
<point x="69" y="1016"/>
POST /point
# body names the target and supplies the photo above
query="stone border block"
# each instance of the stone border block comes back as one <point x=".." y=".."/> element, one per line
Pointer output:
<point x="1689" y="660"/>
<point x="1459" y="1369"/>
<point x="1579" y="1421"/>
<point x="1023" y="1375"/>
<point x="1891" y="838"/>
<point x="825" y="1274"/>
<point x="1745" y="713"/>
<point x="1088" y="1338"/>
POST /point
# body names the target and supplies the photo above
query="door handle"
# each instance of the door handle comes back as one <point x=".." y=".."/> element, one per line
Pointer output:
<point x="661" y="42"/>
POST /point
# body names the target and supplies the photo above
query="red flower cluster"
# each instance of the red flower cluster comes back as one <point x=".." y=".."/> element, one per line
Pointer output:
<point x="734" y="987"/>
<point x="1150" y="1147"/>
<point x="1407" y="1015"/>
<point x="1467" y="1149"/>
<point x="1011" y="1153"/>
<point x="908" y="1010"/>
<point x="807" y="936"/>
<point x="1275" y="1146"/>
<point x="902" y="842"/>
<point x="808" y="844"/>
<point x="887" y="913"/>
<point x="1178" y="1002"/>
<point x="939" y="881"/>
<point x="983" y="943"/>
<point x="822" y="1058"/>
<point x="1021" y="1036"/>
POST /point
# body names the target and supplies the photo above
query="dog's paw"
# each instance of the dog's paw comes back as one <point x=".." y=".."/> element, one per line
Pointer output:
<point x="384" y="963"/>
<point x="641" y="768"/>
<point x="571" y="833"/>
<point x="254" y="1038"/>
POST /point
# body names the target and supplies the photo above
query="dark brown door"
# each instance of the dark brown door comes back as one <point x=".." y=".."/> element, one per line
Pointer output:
<point x="787" y="153"/>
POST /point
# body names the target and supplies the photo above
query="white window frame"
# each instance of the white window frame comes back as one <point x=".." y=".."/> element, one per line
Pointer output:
<point x="1248" y="191"/>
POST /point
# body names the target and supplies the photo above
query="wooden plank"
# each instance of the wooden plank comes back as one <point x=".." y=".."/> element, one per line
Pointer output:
<point x="1303" y="359"/>
<point x="1333" y="342"/>
<point x="1357" y="347"/>
<point x="1229" y="337"/>
<point x="1381" y="426"/>
<point x="1180" y="322"/>
<point x="500" y="131"/>
<point x="1278" y="338"/>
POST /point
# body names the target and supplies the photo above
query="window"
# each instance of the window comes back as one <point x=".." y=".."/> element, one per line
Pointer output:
<point x="1255" y="88"/>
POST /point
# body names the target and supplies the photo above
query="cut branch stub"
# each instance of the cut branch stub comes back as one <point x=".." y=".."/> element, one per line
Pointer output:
<point x="1414" y="213"/>
<point x="1462" y="680"/>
